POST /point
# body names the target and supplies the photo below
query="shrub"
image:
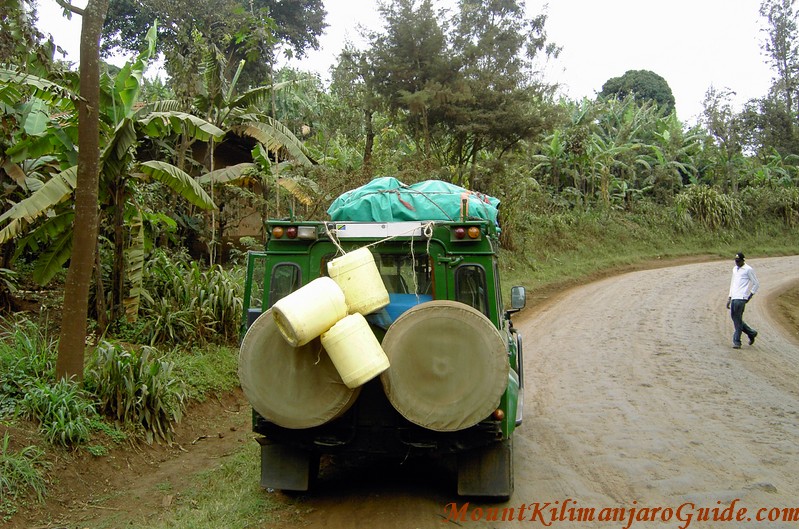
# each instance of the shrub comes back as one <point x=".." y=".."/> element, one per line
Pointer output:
<point x="27" y="354"/>
<point x="708" y="206"/>
<point x="186" y="304"/>
<point x="772" y="203"/>
<point x="137" y="389"/>
<point x="64" y="412"/>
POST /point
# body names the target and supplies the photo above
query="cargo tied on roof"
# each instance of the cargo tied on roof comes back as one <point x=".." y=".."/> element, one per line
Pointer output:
<point x="386" y="199"/>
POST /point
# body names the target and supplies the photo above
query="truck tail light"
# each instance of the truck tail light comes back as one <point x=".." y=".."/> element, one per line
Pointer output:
<point x="466" y="233"/>
<point x="294" y="232"/>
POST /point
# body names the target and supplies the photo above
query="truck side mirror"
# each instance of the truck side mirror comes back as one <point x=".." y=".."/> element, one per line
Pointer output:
<point x="518" y="298"/>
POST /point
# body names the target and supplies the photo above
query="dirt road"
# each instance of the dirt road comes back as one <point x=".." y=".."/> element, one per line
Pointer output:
<point x="635" y="400"/>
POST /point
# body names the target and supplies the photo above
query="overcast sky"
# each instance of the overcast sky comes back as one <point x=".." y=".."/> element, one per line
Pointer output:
<point x="693" y="44"/>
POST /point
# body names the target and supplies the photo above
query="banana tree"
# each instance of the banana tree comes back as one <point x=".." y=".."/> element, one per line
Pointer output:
<point x="553" y="159"/>
<point x="262" y="173"/>
<point x="41" y="221"/>
<point x="241" y="115"/>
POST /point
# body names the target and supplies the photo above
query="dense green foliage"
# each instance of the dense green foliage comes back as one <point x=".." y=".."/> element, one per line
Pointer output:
<point x="253" y="31"/>
<point x="26" y="356"/>
<point x="185" y="304"/>
<point x="644" y="85"/>
<point x="64" y="411"/>
<point x="136" y="388"/>
<point x="21" y="475"/>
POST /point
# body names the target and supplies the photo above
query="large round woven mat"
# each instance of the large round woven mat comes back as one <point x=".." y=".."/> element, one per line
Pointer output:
<point x="449" y="366"/>
<point x="293" y="387"/>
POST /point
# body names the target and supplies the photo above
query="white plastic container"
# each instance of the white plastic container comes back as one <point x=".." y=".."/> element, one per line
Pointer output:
<point x="309" y="311"/>
<point x="355" y="351"/>
<point x="358" y="277"/>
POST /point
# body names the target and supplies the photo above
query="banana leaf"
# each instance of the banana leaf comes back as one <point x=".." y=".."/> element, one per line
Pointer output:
<point x="179" y="181"/>
<point x="55" y="190"/>
<point x="52" y="260"/>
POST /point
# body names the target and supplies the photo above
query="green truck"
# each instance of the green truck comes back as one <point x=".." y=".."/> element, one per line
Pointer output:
<point x="455" y="378"/>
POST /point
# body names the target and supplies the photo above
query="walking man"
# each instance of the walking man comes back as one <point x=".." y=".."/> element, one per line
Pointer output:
<point x="743" y="286"/>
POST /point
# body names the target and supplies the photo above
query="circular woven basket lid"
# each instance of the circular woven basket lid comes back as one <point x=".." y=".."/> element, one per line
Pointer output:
<point x="293" y="387"/>
<point x="449" y="367"/>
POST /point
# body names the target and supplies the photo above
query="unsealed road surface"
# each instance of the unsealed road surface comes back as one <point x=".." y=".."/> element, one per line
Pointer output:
<point x="635" y="402"/>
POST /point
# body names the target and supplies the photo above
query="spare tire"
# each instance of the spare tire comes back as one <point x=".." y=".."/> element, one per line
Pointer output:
<point x="293" y="387"/>
<point x="449" y="366"/>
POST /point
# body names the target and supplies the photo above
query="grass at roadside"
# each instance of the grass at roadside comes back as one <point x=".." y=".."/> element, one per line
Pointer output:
<point x="227" y="496"/>
<point x="63" y="413"/>
<point x="560" y="250"/>
<point x="207" y="370"/>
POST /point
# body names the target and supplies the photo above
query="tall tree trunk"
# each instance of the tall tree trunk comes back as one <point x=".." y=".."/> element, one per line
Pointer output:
<point x="84" y="233"/>
<point x="370" y="142"/>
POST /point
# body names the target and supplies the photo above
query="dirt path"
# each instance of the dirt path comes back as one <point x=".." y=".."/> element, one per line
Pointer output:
<point x="134" y="482"/>
<point x="634" y="395"/>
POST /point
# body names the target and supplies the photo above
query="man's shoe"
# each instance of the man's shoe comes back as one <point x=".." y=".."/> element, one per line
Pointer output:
<point x="736" y="346"/>
<point x="752" y="339"/>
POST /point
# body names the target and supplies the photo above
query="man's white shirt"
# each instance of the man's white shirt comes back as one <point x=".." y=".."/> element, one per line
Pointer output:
<point x="744" y="281"/>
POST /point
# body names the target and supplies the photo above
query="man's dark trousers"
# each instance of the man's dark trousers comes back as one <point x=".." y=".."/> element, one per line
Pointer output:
<point x="737" y="313"/>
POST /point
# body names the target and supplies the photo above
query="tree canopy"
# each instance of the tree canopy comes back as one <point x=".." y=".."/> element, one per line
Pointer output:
<point x="461" y="84"/>
<point x="253" y="30"/>
<point x="643" y="85"/>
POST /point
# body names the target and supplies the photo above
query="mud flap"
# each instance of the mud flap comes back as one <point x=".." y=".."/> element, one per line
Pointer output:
<point x="286" y="468"/>
<point x="487" y="472"/>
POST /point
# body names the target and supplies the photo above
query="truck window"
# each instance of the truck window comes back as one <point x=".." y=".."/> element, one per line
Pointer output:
<point x="404" y="274"/>
<point x="470" y="287"/>
<point x="285" y="280"/>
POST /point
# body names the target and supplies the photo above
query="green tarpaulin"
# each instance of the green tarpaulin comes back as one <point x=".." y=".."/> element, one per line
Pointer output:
<point x="386" y="199"/>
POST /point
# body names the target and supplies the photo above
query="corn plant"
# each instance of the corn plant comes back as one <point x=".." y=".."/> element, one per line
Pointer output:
<point x="64" y="411"/>
<point x="137" y="388"/>
<point x="20" y="475"/>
